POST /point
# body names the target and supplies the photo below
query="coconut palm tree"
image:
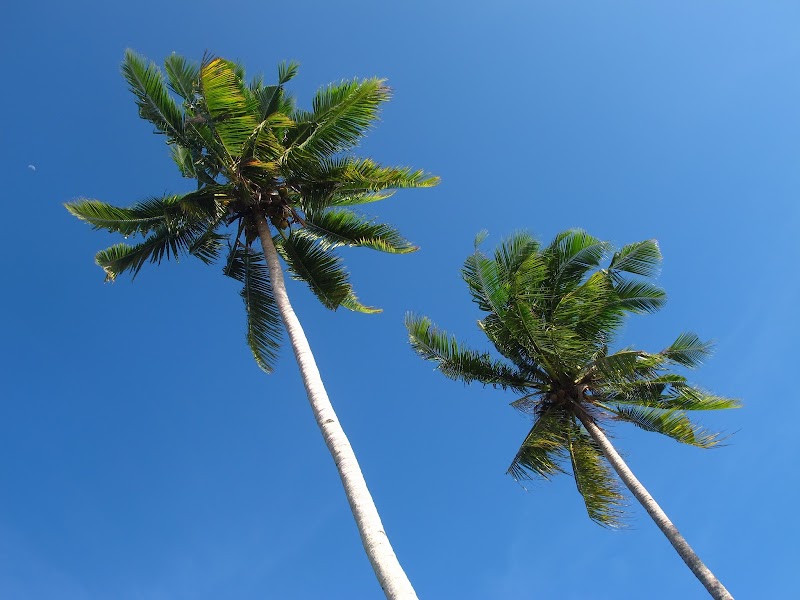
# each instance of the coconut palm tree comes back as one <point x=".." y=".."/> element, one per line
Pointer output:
<point x="267" y="171"/>
<point x="552" y="313"/>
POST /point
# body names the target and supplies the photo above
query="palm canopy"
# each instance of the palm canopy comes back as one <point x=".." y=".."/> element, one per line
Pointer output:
<point x="552" y="312"/>
<point x="253" y="152"/>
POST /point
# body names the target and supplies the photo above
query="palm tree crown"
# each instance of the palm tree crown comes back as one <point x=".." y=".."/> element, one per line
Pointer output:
<point x="552" y="313"/>
<point x="253" y="153"/>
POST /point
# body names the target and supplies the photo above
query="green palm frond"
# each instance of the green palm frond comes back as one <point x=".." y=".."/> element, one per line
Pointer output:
<point x="457" y="362"/>
<point x="672" y="423"/>
<point x="639" y="297"/>
<point x="639" y="258"/>
<point x="513" y="252"/>
<point x="264" y="327"/>
<point x="152" y="97"/>
<point x="232" y="112"/>
<point x="173" y="211"/>
<point x="688" y="350"/>
<point x="164" y="242"/>
<point x="346" y="228"/>
<point x="544" y="448"/>
<point x="486" y="283"/>
<point x="595" y="481"/>
<point x="341" y="114"/>
<point x="667" y="391"/>
<point x="183" y="77"/>
<point x="345" y="178"/>
<point x="571" y="255"/>
<point x="351" y="302"/>
<point x="624" y="366"/>
<point x="321" y="269"/>
<point x="287" y="70"/>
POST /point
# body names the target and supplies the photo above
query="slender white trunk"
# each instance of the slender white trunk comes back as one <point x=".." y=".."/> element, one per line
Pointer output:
<point x="706" y="577"/>
<point x="390" y="574"/>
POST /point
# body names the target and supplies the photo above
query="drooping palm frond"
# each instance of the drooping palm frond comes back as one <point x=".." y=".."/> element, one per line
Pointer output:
<point x="596" y="483"/>
<point x="346" y="228"/>
<point x="544" y="448"/>
<point x="322" y="270"/>
<point x="264" y="327"/>
<point x="163" y="242"/>
<point x="457" y="362"/>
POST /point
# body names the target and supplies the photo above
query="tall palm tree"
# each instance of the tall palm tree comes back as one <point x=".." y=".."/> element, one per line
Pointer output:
<point x="552" y="313"/>
<point x="267" y="171"/>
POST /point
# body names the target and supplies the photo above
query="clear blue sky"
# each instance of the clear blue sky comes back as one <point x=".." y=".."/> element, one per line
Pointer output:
<point x="143" y="456"/>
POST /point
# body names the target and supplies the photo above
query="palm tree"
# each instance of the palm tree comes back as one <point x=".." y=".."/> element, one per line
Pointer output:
<point x="267" y="170"/>
<point x="552" y="314"/>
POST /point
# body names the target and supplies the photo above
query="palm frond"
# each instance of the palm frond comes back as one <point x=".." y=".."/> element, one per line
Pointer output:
<point x="572" y="254"/>
<point x="544" y="448"/>
<point x="165" y="241"/>
<point x="287" y="70"/>
<point x="688" y="350"/>
<point x="351" y="302"/>
<point x="486" y="283"/>
<point x="264" y="327"/>
<point x="639" y="258"/>
<point x="667" y="391"/>
<point x="672" y="423"/>
<point x="639" y="297"/>
<point x="457" y="362"/>
<point x="173" y="211"/>
<point x="322" y="270"/>
<point x="183" y="76"/>
<point x="232" y="114"/>
<point x="596" y="482"/>
<point x="336" y="228"/>
<point x="152" y="97"/>
<point x="341" y="115"/>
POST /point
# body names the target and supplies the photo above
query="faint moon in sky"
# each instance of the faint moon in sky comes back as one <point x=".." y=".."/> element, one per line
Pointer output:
<point x="32" y="167"/>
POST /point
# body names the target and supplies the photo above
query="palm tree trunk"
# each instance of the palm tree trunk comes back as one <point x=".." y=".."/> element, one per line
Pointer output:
<point x="390" y="574"/>
<point x="706" y="577"/>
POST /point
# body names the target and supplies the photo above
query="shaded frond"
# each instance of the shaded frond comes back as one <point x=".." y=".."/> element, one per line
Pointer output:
<point x="457" y="362"/>
<point x="595" y="480"/>
<point x="163" y="242"/>
<point x="318" y="267"/>
<point x="672" y="423"/>
<point x="345" y="228"/>
<point x="544" y="448"/>
<point x="264" y="326"/>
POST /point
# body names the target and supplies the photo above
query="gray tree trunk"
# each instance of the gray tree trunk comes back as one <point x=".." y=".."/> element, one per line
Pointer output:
<point x="390" y="574"/>
<point x="706" y="577"/>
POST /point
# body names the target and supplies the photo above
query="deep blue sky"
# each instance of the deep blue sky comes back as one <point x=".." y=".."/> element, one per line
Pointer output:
<point x="143" y="456"/>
